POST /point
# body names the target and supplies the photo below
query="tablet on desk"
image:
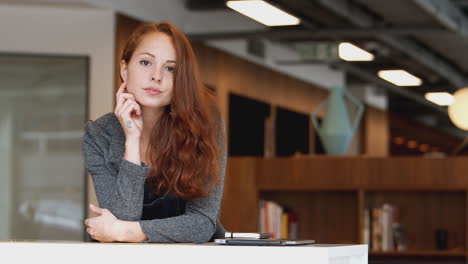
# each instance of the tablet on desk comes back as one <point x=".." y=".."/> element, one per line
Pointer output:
<point x="262" y="242"/>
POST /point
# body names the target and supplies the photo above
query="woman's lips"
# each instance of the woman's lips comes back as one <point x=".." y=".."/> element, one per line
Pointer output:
<point x="152" y="91"/>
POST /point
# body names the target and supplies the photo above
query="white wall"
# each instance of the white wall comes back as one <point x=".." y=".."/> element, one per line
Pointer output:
<point x="66" y="31"/>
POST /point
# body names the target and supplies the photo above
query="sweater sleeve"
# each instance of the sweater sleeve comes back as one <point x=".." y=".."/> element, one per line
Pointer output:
<point x="121" y="192"/>
<point x="201" y="217"/>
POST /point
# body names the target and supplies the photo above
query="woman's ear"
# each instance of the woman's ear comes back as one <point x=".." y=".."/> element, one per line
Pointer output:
<point x="123" y="70"/>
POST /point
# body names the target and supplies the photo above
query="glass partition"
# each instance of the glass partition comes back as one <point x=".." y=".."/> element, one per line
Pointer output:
<point x="43" y="106"/>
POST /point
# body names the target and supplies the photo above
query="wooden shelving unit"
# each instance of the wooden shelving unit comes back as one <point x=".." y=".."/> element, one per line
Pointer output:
<point x="421" y="253"/>
<point x="330" y="194"/>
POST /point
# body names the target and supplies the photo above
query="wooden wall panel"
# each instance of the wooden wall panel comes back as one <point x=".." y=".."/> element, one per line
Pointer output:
<point x="274" y="172"/>
<point x="415" y="172"/>
<point x="209" y="66"/>
<point x="376" y="139"/>
<point x="309" y="172"/>
<point x="239" y="209"/>
<point x="456" y="171"/>
<point x="213" y="70"/>
<point x="332" y="172"/>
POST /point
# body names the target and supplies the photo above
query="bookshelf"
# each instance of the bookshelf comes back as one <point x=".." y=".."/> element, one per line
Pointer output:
<point x="323" y="204"/>
<point x="330" y="194"/>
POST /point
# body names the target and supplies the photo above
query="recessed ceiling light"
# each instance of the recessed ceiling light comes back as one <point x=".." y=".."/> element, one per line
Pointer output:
<point x="264" y="13"/>
<point x="350" y="52"/>
<point x="441" y="99"/>
<point x="400" y="77"/>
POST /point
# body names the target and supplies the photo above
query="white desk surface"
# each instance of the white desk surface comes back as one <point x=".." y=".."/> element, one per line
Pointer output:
<point x="144" y="253"/>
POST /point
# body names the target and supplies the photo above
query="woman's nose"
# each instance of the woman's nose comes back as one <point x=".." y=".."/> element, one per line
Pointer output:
<point x="156" y="76"/>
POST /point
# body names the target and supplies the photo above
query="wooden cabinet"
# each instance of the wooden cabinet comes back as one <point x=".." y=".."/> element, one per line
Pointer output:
<point x="330" y="195"/>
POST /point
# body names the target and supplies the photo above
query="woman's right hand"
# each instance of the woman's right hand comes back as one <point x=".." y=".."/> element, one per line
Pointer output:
<point x="128" y="112"/>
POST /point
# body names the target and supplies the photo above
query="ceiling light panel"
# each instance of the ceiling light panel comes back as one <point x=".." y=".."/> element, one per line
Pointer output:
<point x="441" y="99"/>
<point x="400" y="77"/>
<point x="264" y="13"/>
<point x="350" y="52"/>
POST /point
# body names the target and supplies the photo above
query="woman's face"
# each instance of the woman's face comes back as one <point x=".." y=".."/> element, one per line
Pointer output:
<point x="150" y="72"/>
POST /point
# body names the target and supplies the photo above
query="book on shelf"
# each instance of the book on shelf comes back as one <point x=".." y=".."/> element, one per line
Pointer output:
<point x="278" y="221"/>
<point x="293" y="226"/>
<point x="376" y="230"/>
<point x="366" y="227"/>
<point x="382" y="230"/>
<point x="387" y="221"/>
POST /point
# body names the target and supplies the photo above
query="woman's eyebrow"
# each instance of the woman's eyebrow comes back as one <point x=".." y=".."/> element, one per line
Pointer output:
<point x="149" y="54"/>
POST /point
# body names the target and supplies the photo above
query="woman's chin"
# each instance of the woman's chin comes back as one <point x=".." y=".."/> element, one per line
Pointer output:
<point x="151" y="104"/>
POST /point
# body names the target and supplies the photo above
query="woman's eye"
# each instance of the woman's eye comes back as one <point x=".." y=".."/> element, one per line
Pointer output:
<point x="169" y="68"/>
<point x="145" y="62"/>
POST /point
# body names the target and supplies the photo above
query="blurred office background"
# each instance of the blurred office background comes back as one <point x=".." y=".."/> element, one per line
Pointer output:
<point x="58" y="69"/>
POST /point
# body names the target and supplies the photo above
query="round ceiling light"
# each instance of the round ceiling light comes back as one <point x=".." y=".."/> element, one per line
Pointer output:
<point x="458" y="110"/>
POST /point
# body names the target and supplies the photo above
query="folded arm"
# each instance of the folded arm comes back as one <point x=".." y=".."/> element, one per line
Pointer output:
<point x="120" y="192"/>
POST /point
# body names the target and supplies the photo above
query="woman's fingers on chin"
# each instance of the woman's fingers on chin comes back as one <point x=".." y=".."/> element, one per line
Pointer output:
<point x="137" y="108"/>
<point x="122" y="87"/>
<point x="120" y="90"/>
<point x="127" y="97"/>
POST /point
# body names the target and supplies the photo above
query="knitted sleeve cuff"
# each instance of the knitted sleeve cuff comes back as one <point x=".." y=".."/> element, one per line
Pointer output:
<point x="140" y="171"/>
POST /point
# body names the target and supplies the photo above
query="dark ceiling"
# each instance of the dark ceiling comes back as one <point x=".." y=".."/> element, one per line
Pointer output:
<point x="428" y="38"/>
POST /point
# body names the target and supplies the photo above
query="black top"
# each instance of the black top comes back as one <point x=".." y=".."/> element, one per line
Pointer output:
<point x="159" y="207"/>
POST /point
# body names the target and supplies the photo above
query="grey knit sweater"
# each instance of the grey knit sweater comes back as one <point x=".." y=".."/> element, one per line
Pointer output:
<point x="119" y="186"/>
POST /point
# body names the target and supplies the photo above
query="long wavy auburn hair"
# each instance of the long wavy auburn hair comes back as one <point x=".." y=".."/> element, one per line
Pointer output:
<point x="184" y="151"/>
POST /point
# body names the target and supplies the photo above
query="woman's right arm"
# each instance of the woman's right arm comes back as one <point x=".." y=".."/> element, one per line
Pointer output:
<point x="120" y="192"/>
<point x="128" y="112"/>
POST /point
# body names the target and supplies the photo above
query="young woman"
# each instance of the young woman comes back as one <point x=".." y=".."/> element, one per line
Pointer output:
<point x="158" y="161"/>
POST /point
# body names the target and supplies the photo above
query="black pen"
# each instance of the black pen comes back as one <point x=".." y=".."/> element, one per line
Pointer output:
<point x="247" y="235"/>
